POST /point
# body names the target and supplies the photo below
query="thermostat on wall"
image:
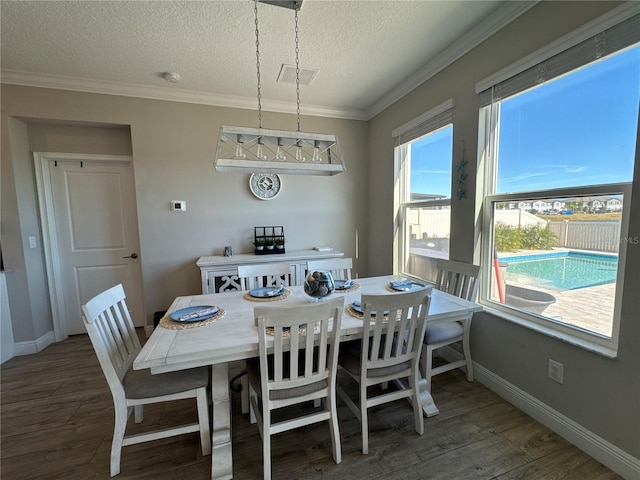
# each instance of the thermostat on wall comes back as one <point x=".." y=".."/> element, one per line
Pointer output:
<point x="179" y="205"/>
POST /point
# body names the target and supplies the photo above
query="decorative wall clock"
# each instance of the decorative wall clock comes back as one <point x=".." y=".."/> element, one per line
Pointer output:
<point x="265" y="186"/>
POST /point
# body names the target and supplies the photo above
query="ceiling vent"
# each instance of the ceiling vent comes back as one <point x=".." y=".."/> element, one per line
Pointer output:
<point x="288" y="74"/>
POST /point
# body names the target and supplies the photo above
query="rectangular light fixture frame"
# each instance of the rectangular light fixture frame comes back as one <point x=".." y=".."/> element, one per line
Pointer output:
<point x="258" y="150"/>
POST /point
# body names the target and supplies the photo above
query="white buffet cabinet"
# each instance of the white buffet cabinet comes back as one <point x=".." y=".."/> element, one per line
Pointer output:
<point x="220" y="274"/>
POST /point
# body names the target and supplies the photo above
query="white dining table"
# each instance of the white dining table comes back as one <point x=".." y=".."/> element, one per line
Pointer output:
<point x="234" y="337"/>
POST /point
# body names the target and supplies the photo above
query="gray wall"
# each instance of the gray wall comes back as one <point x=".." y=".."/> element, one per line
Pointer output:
<point x="601" y="394"/>
<point x="173" y="146"/>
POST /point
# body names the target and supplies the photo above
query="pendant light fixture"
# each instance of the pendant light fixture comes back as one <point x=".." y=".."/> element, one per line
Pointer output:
<point x="259" y="150"/>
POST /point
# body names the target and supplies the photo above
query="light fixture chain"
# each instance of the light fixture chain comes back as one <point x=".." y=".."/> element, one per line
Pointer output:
<point x="297" y="69"/>
<point x="255" y="10"/>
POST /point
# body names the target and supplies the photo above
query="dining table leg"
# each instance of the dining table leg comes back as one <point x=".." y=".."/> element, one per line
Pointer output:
<point x="221" y="453"/>
<point x="426" y="400"/>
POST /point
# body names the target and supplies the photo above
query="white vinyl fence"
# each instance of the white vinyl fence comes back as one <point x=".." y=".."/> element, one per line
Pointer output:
<point x="602" y="236"/>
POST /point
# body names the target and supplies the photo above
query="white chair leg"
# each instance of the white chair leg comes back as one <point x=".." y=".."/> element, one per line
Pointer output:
<point x="335" y="430"/>
<point x="427" y="366"/>
<point x="252" y="414"/>
<point x="138" y="413"/>
<point x="266" y="443"/>
<point x="466" y="348"/>
<point x="364" y="418"/>
<point x="415" y="400"/>
<point x="203" y="419"/>
<point x="120" y="425"/>
<point x="244" y="393"/>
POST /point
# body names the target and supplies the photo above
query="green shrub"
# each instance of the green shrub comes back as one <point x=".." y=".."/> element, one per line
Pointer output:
<point x="530" y="237"/>
<point x="535" y="237"/>
<point x="507" y="238"/>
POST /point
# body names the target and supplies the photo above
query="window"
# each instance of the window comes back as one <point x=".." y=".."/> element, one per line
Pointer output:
<point x="423" y="159"/>
<point x="559" y="144"/>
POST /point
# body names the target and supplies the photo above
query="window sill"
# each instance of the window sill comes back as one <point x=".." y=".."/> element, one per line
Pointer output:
<point x="576" y="341"/>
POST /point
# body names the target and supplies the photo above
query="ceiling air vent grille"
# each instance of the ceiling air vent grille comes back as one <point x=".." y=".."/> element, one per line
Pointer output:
<point x="288" y="74"/>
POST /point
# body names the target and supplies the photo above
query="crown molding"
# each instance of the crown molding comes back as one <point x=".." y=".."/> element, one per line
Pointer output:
<point x="508" y="12"/>
<point x="503" y="16"/>
<point x="75" y="84"/>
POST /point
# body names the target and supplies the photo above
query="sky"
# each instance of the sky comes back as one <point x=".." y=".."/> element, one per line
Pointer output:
<point x="577" y="130"/>
<point x="431" y="163"/>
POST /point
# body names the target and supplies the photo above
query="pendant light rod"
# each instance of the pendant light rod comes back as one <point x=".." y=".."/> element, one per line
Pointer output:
<point x="255" y="11"/>
<point x="297" y="70"/>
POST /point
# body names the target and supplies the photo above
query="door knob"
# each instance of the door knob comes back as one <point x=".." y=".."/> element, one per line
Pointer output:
<point x="133" y="255"/>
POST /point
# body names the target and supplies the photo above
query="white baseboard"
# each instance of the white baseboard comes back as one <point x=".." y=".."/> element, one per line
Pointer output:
<point x="622" y="463"/>
<point x="35" y="346"/>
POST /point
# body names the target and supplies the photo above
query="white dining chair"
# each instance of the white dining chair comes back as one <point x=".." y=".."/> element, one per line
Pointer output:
<point x="462" y="280"/>
<point x="340" y="268"/>
<point x="394" y="327"/>
<point x="264" y="275"/>
<point x="116" y="344"/>
<point x="301" y="368"/>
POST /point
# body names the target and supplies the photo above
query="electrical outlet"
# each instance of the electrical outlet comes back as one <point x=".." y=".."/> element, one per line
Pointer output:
<point x="556" y="371"/>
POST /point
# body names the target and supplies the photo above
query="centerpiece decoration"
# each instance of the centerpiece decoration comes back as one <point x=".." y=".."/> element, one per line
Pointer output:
<point x="319" y="284"/>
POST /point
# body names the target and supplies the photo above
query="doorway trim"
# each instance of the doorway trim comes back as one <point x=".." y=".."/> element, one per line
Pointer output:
<point x="42" y="163"/>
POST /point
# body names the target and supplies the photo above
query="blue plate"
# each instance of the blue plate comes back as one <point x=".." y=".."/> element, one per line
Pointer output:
<point x="358" y="308"/>
<point x="267" y="292"/>
<point x="194" y="314"/>
<point x="343" y="284"/>
<point x="406" y="286"/>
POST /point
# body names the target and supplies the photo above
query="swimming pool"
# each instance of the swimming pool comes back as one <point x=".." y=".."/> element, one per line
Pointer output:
<point x="561" y="270"/>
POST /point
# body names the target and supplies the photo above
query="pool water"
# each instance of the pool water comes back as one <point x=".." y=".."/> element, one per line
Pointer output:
<point x="562" y="271"/>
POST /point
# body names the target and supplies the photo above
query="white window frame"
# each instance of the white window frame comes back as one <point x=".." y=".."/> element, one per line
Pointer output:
<point x="572" y="334"/>
<point x="429" y="122"/>
<point x="487" y="148"/>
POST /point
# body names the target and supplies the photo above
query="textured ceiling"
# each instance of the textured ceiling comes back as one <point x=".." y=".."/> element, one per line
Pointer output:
<point x="365" y="51"/>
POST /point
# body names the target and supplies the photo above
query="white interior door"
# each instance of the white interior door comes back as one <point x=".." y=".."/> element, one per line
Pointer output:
<point x="96" y="233"/>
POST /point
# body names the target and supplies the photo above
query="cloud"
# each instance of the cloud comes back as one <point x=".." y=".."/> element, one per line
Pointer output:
<point x="571" y="168"/>
<point x="524" y="176"/>
<point x="431" y="172"/>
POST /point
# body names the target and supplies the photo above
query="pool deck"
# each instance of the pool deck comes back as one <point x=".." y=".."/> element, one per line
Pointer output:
<point x="590" y="308"/>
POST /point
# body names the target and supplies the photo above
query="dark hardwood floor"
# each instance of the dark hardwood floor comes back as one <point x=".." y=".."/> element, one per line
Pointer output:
<point x="57" y="420"/>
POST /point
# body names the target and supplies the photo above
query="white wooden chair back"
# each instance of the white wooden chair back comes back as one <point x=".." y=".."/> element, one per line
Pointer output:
<point x="458" y="278"/>
<point x="113" y="335"/>
<point x="397" y="337"/>
<point x="340" y="268"/>
<point x="264" y="275"/>
<point x="296" y="363"/>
